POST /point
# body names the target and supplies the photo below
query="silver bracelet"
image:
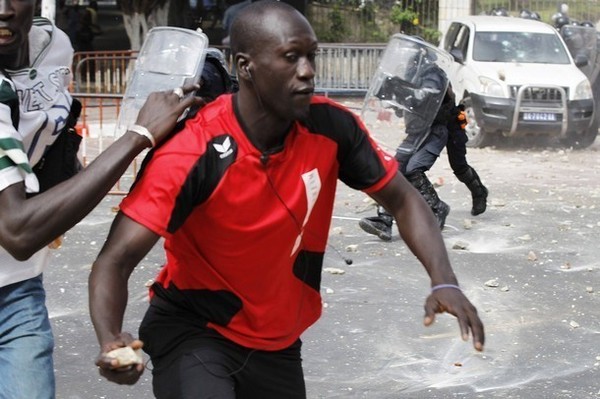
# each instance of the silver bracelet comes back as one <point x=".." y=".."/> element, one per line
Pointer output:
<point x="440" y="286"/>
<point x="142" y="131"/>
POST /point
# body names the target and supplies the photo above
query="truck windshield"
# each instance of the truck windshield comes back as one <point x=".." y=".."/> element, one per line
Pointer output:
<point x="525" y="47"/>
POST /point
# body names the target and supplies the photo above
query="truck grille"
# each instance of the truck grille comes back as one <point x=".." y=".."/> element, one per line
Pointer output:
<point x="539" y="94"/>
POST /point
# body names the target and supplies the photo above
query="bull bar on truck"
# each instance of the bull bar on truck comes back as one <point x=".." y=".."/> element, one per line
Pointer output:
<point x="507" y="114"/>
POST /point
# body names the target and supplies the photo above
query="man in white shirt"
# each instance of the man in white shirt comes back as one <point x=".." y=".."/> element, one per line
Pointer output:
<point x="35" y="60"/>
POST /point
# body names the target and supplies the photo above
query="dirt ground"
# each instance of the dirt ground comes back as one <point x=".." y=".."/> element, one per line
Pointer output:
<point x="529" y="263"/>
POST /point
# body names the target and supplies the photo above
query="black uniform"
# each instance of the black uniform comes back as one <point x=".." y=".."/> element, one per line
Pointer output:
<point x="447" y="130"/>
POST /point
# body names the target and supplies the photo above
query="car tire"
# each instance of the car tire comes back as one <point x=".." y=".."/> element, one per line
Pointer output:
<point x="478" y="137"/>
<point x="584" y="139"/>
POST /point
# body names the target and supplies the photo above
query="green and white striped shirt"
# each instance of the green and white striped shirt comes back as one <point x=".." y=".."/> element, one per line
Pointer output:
<point x="35" y="100"/>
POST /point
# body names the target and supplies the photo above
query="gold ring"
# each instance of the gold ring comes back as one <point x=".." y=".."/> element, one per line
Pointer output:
<point x="178" y="91"/>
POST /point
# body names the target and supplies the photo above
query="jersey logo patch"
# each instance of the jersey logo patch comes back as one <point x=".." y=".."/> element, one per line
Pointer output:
<point x="312" y="185"/>
<point x="224" y="149"/>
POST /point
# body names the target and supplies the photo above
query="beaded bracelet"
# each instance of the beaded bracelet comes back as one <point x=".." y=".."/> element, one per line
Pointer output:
<point x="440" y="286"/>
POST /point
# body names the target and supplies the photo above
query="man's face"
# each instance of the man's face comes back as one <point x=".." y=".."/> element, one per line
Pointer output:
<point x="16" y="17"/>
<point x="284" y="68"/>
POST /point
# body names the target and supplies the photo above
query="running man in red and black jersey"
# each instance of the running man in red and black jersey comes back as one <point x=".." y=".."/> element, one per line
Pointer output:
<point x="243" y="196"/>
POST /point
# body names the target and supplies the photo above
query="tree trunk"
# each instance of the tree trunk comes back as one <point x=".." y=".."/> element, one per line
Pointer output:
<point x="159" y="16"/>
<point x="136" y="28"/>
<point x="141" y="16"/>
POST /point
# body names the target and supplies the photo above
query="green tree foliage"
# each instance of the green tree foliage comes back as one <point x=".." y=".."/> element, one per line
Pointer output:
<point x="338" y="28"/>
<point x="374" y="21"/>
<point x="405" y="17"/>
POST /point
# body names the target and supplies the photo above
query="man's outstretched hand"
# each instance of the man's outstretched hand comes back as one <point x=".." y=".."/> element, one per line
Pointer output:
<point x="453" y="301"/>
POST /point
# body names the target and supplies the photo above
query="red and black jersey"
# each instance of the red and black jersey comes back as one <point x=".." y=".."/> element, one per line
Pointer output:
<point x="246" y="232"/>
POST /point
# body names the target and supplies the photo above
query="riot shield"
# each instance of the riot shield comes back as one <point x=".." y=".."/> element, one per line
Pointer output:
<point x="583" y="41"/>
<point x="407" y="90"/>
<point x="170" y="57"/>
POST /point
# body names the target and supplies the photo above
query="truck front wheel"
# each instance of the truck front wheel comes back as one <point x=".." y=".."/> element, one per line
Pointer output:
<point x="478" y="137"/>
<point x="583" y="140"/>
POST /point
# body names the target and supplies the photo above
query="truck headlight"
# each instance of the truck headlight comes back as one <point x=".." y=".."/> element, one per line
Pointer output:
<point x="490" y="87"/>
<point x="583" y="91"/>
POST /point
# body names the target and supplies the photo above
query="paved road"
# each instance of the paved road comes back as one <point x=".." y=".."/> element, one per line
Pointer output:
<point x="530" y="264"/>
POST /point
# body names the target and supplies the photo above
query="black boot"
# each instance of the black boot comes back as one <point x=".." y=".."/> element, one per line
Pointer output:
<point x="478" y="191"/>
<point x="380" y="225"/>
<point x="423" y="185"/>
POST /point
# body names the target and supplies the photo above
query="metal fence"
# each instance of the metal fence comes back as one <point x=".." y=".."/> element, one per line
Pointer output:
<point x="97" y="126"/>
<point x="103" y="72"/>
<point x="341" y="69"/>
<point x="346" y="69"/>
<point x="100" y="80"/>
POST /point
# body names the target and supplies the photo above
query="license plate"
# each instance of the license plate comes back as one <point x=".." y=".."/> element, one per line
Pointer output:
<point x="539" y="116"/>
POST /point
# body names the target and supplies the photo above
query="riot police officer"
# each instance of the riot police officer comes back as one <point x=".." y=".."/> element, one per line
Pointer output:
<point x="425" y="139"/>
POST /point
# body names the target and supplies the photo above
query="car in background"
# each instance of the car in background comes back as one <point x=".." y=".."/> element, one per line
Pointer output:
<point x="516" y="78"/>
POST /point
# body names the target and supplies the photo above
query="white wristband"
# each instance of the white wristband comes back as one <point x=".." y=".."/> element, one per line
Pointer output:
<point x="142" y="131"/>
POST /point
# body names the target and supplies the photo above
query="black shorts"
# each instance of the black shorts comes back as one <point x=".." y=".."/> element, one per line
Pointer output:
<point x="218" y="368"/>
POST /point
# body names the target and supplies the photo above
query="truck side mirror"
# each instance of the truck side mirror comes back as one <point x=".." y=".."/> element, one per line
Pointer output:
<point x="581" y="60"/>
<point x="457" y="55"/>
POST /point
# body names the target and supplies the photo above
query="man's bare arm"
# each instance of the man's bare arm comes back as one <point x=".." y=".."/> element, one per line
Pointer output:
<point x="127" y="244"/>
<point x="27" y="225"/>
<point x="421" y="232"/>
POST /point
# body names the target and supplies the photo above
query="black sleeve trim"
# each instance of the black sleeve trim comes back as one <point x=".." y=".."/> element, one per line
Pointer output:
<point x="360" y="166"/>
<point x="203" y="178"/>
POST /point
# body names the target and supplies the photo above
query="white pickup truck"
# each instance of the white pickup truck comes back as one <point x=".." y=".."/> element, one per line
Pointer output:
<point x="516" y="78"/>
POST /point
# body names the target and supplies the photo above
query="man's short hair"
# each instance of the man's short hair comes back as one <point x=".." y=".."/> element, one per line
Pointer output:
<point x="247" y="27"/>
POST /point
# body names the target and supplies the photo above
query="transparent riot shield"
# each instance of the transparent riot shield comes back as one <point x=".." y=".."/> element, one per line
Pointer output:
<point x="170" y="57"/>
<point x="407" y="90"/>
<point x="583" y="41"/>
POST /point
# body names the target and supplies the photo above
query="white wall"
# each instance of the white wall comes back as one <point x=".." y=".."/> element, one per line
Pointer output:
<point x="450" y="9"/>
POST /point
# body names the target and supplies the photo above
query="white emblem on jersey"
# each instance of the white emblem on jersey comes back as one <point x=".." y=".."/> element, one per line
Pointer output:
<point x="224" y="149"/>
<point x="312" y="184"/>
